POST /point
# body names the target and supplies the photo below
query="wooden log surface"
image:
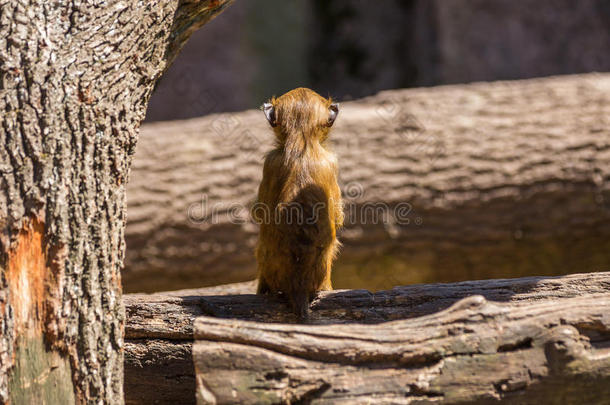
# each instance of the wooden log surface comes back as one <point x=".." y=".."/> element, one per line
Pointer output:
<point x="517" y="340"/>
<point x="499" y="179"/>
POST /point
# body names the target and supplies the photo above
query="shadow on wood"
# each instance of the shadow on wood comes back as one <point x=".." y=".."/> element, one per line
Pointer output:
<point x="522" y="336"/>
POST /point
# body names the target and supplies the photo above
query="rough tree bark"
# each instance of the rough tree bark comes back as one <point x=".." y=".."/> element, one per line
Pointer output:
<point x="75" y="78"/>
<point x="503" y="179"/>
<point x="522" y="340"/>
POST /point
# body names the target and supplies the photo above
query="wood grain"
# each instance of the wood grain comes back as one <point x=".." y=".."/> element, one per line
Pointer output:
<point x="361" y="339"/>
<point x="473" y="351"/>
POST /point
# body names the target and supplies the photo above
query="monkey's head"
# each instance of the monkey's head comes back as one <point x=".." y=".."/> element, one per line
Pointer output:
<point x="301" y="112"/>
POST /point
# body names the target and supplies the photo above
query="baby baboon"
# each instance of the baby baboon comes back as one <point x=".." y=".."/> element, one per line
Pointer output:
<point x="299" y="204"/>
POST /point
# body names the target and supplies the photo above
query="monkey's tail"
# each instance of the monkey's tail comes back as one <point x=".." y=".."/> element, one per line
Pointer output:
<point x="300" y="305"/>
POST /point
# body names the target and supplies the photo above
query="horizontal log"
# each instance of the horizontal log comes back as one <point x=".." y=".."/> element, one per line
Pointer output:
<point x="501" y="179"/>
<point x="474" y="351"/>
<point x="398" y="345"/>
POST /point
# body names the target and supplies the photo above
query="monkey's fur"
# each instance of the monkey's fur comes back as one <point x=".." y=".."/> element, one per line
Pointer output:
<point x="299" y="204"/>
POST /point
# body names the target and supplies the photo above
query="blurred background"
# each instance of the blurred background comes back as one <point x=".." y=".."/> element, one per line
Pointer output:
<point x="352" y="48"/>
<point x="502" y="179"/>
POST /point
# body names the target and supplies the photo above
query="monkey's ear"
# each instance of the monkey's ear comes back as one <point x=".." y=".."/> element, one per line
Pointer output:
<point x="269" y="111"/>
<point x="334" y="111"/>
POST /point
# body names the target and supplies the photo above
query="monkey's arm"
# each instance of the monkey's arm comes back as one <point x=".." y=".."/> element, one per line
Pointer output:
<point x="263" y="208"/>
<point x="340" y="216"/>
<point x="258" y="210"/>
<point x="338" y="207"/>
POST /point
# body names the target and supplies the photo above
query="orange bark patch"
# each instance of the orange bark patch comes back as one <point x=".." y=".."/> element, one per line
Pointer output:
<point x="33" y="286"/>
<point x="25" y="275"/>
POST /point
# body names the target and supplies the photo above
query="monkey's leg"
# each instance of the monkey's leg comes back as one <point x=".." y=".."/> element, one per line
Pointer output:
<point x="263" y="287"/>
<point x="326" y="284"/>
<point x="327" y="263"/>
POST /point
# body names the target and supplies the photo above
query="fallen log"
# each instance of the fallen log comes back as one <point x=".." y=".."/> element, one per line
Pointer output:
<point x="484" y="180"/>
<point x="524" y="340"/>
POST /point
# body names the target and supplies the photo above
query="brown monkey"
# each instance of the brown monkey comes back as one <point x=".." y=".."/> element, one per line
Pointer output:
<point x="299" y="204"/>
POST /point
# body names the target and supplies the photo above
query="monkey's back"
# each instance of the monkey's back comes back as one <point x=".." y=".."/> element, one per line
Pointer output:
<point x="297" y="240"/>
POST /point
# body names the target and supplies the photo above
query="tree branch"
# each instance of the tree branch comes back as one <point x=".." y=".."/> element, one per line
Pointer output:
<point x="190" y="16"/>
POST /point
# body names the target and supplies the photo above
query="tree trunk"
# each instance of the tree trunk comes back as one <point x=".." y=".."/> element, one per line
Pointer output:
<point x="75" y="79"/>
<point x="484" y="180"/>
<point x="515" y="339"/>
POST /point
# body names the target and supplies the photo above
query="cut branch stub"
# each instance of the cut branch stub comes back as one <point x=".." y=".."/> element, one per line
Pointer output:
<point x="189" y="17"/>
